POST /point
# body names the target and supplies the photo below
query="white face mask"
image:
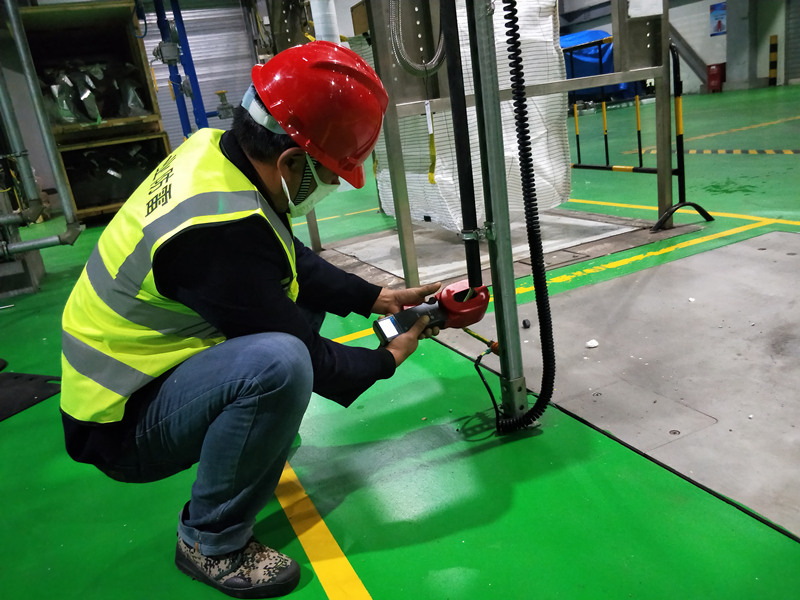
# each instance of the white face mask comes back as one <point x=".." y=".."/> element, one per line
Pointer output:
<point x="303" y="203"/>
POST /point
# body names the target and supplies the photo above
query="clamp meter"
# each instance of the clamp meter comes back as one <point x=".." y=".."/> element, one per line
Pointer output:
<point x="388" y="328"/>
<point x="455" y="306"/>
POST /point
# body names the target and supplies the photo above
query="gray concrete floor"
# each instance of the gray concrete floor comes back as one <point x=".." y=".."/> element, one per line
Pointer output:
<point x="697" y="359"/>
<point x="440" y="253"/>
<point x="697" y="365"/>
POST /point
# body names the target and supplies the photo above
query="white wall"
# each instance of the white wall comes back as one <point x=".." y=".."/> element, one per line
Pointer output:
<point x="693" y="22"/>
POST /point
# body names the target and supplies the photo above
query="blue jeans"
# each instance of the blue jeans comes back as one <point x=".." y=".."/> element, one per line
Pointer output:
<point x="234" y="409"/>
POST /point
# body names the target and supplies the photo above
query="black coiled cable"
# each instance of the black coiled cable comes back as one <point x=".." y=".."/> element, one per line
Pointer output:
<point x="507" y="424"/>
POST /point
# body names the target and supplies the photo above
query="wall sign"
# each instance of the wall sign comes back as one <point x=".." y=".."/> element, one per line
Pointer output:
<point x="718" y="14"/>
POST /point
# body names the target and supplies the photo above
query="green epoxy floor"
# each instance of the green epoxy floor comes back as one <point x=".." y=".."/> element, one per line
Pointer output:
<point x="420" y="495"/>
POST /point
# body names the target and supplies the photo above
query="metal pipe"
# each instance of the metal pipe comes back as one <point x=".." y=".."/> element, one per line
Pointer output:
<point x="326" y="28"/>
<point x="12" y="219"/>
<point x="541" y="89"/>
<point x="605" y="131"/>
<point x="665" y="216"/>
<point x="677" y="87"/>
<point x="397" y="172"/>
<point x="37" y="244"/>
<point x="326" y="25"/>
<point x="174" y="75"/>
<point x="313" y="231"/>
<point x="33" y="203"/>
<point x="600" y="72"/>
<point x="51" y="149"/>
<point x="449" y="24"/>
<point x="198" y="108"/>
<point x="638" y="131"/>
<point x="513" y="388"/>
<point x="571" y="95"/>
<point x="577" y="131"/>
<point x="663" y="124"/>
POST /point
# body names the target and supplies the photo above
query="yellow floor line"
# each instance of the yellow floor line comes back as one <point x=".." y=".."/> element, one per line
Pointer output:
<point x="616" y="204"/>
<point x="354" y="336"/>
<point x="358" y="212"/>
<point x="716" y="133"/>
<point x="691" y="211"/>
<point x="334" y="571"/>
<point x="631" y="259"/>
<point x="738" y="129"/>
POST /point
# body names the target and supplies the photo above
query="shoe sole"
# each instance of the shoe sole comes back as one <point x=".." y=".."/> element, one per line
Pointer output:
<point x="269" y="590"/>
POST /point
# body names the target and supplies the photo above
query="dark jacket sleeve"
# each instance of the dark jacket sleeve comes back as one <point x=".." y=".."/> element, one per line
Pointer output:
<point x="231" y="275"/>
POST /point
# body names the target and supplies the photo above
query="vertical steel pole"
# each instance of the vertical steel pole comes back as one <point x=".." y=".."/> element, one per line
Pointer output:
<point x="50" y="146"/>
<point x="664" y="123"/>
<point x="458" y="103"/>
<point x="605" y="132"/>
<point x="174" y="75"/>
<point x="198" y="108"/>
<point x="512" y="380"/>
<point x="313" y="231"/>
<point x="577" y="132"/>
<point x="326" y="28"/>
<point x="639" y="130"/>
<point x="394" y="151"/>
<point x="17" y="145"/>
<point x="402" y="209"/>
<point x="677" y="85"/>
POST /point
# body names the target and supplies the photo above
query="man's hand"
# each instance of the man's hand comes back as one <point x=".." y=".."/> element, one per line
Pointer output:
<point x="390" y="302"/>
<point x="404" y="344"/>
<point x="393" y="301"/>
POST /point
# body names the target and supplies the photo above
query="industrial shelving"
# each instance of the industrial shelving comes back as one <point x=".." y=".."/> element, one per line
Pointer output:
<point x="100" y="96"/>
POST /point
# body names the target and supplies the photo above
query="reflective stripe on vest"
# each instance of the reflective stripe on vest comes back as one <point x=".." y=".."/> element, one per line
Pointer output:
<point x="105" y="370"/>
<point x="119" y="332"/>
<point x="120" y="292"/>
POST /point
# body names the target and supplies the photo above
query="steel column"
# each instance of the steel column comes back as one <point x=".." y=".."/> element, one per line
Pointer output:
<point x="397" y="171"/>
<point x="512" y="380"/>
<point x="17" y="147"/>
<point x="198" y="108"/>
<point x="664" y="123"/>
<point x="174" y="74"/>
<point x="50" y="147"/>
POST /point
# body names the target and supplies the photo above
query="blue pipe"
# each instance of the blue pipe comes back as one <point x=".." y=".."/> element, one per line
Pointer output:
<point x="188" y="67"/>
<point x="174" y="75"/>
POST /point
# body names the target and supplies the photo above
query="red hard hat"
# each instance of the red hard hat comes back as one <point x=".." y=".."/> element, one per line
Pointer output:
<point x="329" y="100"/>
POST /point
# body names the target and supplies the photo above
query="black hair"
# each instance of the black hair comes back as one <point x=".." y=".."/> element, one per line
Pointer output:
<point x="258" y="142"/>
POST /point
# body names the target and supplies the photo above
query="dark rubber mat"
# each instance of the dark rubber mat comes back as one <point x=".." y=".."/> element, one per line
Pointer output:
<point x="19" y="391"/>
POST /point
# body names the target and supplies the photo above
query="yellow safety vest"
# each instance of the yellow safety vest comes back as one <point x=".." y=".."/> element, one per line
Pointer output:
<point x="118" y="331"/>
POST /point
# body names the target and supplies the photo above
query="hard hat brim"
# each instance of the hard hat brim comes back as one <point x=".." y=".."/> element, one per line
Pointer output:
<point x="356" y="177"/>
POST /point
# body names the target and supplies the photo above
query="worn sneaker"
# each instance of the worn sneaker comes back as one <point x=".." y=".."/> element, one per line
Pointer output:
<point x="255" y="571"/>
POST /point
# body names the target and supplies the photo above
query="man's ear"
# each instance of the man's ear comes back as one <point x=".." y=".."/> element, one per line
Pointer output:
<point x="292" y="160"/>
